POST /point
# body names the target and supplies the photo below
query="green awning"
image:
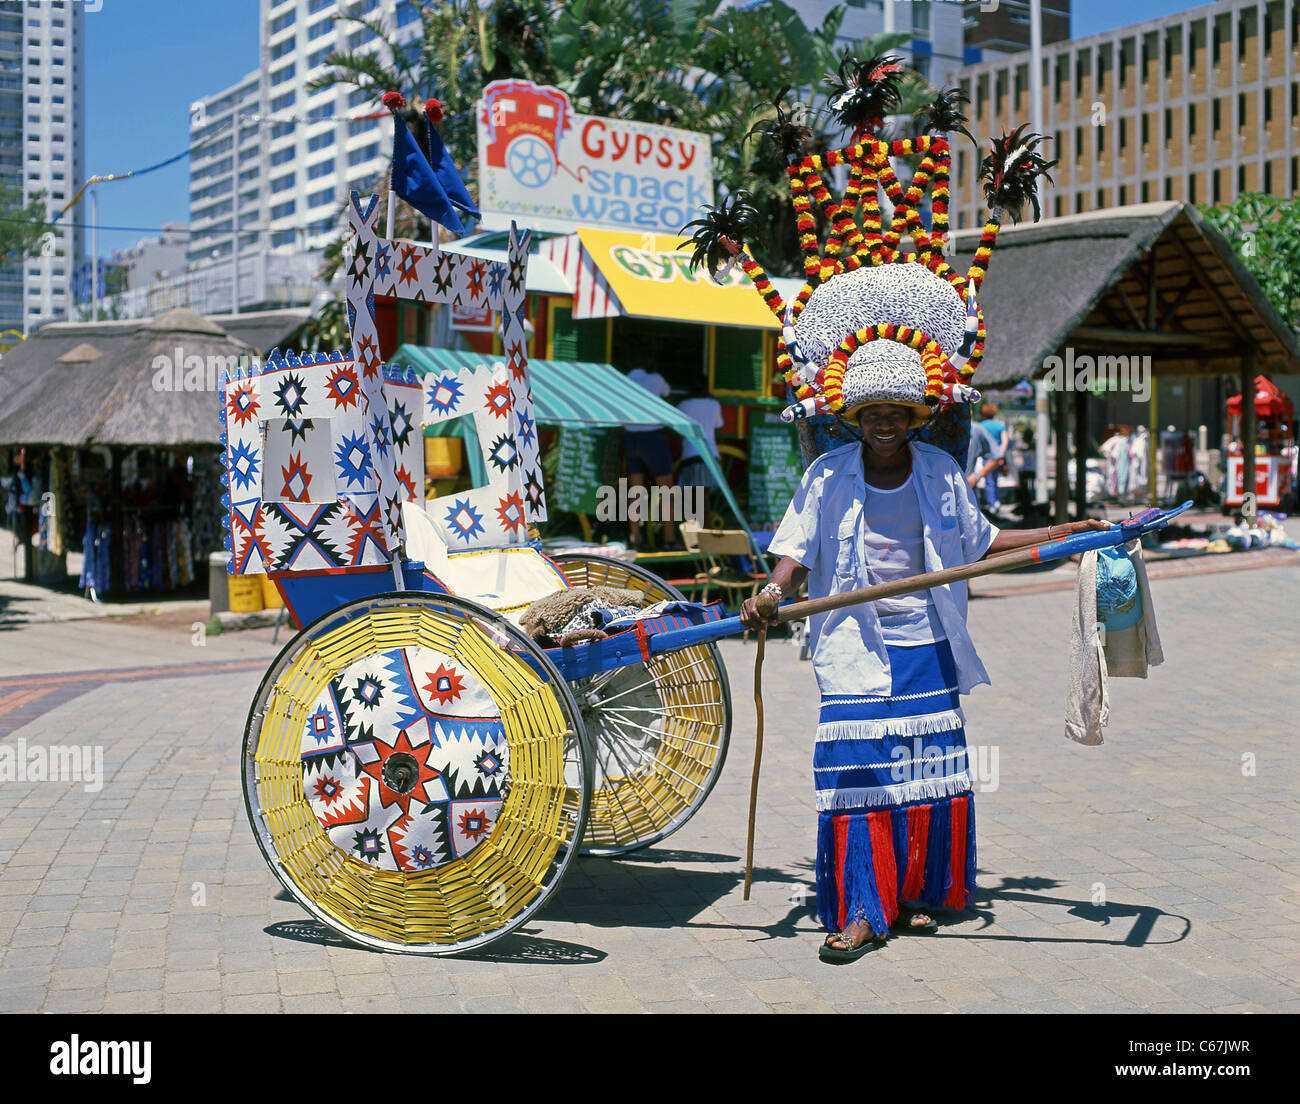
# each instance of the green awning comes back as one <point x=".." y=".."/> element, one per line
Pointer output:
<point x="582" y="395"/>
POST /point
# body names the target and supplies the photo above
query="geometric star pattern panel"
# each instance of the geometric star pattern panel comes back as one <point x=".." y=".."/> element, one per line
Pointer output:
<point x="404" y="760"/>
<point x="428" y="273"/>
<point x="305" y="456"/>
<point x="495" y="514"/>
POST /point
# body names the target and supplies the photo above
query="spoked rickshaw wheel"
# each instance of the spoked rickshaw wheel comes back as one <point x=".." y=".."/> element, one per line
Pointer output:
<point x="659" y="730"/>
<point x="416" y="773"/>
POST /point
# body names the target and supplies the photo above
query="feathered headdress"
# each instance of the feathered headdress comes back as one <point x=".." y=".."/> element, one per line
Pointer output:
<point x="874" y="321"/>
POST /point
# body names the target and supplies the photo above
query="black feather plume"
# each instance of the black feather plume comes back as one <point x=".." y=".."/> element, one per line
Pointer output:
<point x="789" y="137"/>
<point x="862" y="93"/>
<point x="1011" y="170"/>
<point x="729" y="222"/>
<point x="944" y="114"/>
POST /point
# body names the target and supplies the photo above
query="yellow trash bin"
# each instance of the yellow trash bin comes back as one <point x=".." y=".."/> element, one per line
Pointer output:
<point x="245" y="593"/>
<point x="270" y="596"/>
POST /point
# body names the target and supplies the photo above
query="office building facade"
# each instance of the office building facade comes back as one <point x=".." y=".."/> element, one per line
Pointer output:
<point x="1201" y="106"/>
<point x="42" y="149"/>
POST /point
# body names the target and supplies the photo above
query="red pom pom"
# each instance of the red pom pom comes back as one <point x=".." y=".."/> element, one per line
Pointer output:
<point x="393" y="100"/>
<point x="433" y="111"/>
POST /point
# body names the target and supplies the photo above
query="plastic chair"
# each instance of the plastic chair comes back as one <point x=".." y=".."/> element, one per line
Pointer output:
<point x="715" y="547"/>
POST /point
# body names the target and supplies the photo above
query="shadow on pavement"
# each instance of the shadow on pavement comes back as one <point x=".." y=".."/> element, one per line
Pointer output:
<point x="1028" y="890"/>
<point x="516" y="947"/>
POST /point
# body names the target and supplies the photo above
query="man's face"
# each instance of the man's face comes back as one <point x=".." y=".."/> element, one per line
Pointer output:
<point x="884" y="427"/>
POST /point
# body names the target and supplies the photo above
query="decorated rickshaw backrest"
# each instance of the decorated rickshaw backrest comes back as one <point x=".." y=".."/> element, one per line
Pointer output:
<point x="322" y="450"/>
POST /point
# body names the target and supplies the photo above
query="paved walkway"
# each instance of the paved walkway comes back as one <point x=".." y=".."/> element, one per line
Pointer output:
<point x="1158" y="872"/>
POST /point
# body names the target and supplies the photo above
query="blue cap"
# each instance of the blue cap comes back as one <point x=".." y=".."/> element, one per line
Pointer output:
<point x="1119" y="601"/>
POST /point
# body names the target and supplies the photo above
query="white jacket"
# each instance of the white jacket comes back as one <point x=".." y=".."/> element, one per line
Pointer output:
<point x="1094" y="655"/>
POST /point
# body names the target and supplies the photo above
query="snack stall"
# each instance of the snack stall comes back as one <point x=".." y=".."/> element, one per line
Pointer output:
<point x="1274" y="446"/>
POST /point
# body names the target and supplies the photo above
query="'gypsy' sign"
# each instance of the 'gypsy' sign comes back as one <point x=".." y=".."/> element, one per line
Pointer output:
<point x="552" y="169"/>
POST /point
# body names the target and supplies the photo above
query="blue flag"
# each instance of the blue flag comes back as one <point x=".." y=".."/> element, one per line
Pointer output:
<point x="416" y="182"/>
<point x="448" y="175"/>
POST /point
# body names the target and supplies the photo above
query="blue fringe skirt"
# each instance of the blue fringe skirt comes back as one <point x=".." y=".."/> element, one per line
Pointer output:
<point x="896" y="822"/>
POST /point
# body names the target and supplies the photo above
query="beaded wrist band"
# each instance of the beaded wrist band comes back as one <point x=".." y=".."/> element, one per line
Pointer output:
<point x="772" y="588"/>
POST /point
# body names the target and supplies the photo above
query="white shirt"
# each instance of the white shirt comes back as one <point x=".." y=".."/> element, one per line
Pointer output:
<point x="822" y="530"/>
<point x="656" y="385"/>
<point x="708" y="413"/>
<point x="893" y="538"/>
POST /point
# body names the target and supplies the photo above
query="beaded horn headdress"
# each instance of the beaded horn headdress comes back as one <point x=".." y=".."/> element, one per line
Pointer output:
<point x="875" y="322"/>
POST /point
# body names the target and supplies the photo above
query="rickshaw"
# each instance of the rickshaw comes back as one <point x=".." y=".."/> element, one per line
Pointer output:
<point x="418" y="771"/>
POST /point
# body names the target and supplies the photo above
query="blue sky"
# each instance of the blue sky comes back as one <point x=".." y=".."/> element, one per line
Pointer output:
<point x="148" y="60"/>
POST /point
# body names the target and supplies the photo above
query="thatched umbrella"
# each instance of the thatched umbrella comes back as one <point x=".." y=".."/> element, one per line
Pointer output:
<point x="150" y="383"/>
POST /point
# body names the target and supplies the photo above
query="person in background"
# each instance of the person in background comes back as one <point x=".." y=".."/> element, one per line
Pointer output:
<point x="647" y="454"/>
<point x="997" y="431"/>
<point x="1028" y="466"/>
<point x="981" y="457"/>
<point x="707" y="414"/>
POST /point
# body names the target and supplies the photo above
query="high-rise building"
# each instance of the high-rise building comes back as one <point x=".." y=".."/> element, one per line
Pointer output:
<point x="935" y="26"/>
<point x="1200" y="106"/>
<point x="1003" y="28"/>
<point x="299" y="152"/>
<point x="42" y="149"/>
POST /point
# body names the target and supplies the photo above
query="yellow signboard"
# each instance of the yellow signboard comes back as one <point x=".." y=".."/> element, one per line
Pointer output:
<point x="653" y="278"/>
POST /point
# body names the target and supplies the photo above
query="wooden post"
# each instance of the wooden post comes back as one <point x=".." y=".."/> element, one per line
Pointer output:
<point x="1248" y="506"/>
<point x="1080" y="454"/>
<point x="1062" y="419"/>
<point x="116" y="543"/>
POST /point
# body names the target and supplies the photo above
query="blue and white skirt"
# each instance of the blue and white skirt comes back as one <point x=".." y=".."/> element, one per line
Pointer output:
<point x="896" y="822"/>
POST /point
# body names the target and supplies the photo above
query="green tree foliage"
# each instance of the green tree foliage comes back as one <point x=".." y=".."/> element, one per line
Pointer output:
<point x="679" y="63"/>
<point x="1265" y="232"/>
<point x="22" y="226"/>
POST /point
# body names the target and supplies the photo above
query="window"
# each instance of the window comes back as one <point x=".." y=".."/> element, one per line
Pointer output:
<point x="365" y="153"/>
<point x="359" y="97"/>
<point x="1146" y="191"/>
<point x="1078" y="141"/>
<point x="1191" y="188"/>
<point x="282" y="157"/>
<point x="320" y="141"/>
<point x="282" y="22"/>
<point x="360" y="37"/>
<point x="1169" y="124"/>
<point x="283" y="210"/>
<point x="361" y="126"/>
<point x="316" y="199"/>
<point x="281" y="48"/>
<point x="321" y="168"/>
<point x="1268" y="176"/>
<point x="286" y="100"/>
<point x="324" y="27"/>
<point x="1057" y="206"/>
<point x="1241" y="110"/>
<point x="1191" y="120"/>
<point x="406" y="13"/>
<point x="282" y="237"/>
<point x="281" y="130"/>
<point x="318" y="58"/>
<point x="279" y="76"/>
<point x="314" y="6"/>
<point x="1101" y="140"/>
<point x="282" y="183"/>
<point x="1123" y="195"/>
<point x="1169" y="189"/>
<point x="1101" y="199"/>
<point x="921" y="18"/>
<point x="1268" y="108"/>
<point x="1241" y="179"/>
<point x="1217" y="112"/>
<point x="1123" y="133"/>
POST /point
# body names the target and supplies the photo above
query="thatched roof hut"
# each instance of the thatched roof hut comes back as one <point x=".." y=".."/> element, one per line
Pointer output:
<point x="1149" y="279"/>
<point x="146" y="382"/>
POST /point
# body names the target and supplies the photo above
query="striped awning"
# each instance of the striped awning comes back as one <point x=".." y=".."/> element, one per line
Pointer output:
<point x="582" y="395"/>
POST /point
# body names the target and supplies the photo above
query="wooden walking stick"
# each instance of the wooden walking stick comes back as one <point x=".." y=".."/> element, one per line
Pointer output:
<point x="767" y="604"/>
